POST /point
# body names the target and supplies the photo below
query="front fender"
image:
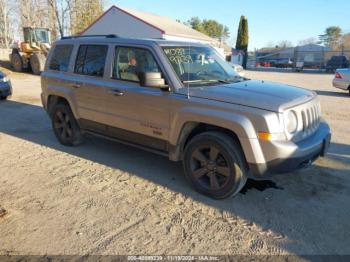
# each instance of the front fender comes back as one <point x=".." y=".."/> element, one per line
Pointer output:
<point x="185" y="120"/>
<point x="237" y="123"/>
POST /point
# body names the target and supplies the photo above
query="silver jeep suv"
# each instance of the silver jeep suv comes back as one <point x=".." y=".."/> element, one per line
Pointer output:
<point x="183" y="101"/>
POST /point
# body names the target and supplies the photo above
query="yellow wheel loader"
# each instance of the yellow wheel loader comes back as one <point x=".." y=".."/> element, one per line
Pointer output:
<point x="32" y="52"/>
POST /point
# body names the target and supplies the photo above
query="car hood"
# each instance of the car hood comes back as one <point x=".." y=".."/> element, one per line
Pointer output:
<point x="259" y="94"/>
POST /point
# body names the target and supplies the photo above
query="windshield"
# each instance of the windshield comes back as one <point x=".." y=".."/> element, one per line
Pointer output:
<point x="41" y="35"/>
<point x="200" y="65"/>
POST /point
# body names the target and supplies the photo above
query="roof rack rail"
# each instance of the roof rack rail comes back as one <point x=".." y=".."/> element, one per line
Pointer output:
<point x="84" y="36"/>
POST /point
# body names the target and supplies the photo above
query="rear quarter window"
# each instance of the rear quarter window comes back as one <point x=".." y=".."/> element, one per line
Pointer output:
<point x="91" y="60"/>
<point x="60" y="58"/>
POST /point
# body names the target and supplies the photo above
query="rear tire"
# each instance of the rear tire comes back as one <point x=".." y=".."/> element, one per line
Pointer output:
<point x="214" y="165"/>
<point x="16" y="62"/>
<point x="37" y="62"/>
<point x="65" y="126"/>
<point x="3" y="97"/>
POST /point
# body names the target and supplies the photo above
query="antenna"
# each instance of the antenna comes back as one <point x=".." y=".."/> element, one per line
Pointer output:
<point x="188" y="72"/>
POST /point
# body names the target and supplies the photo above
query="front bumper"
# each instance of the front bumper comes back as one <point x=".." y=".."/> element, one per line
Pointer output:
<point x="5" y="89"/>
<point x="285" y="157"/>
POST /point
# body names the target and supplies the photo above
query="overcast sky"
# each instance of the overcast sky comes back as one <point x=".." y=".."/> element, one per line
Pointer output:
<point x="270" y="21"/>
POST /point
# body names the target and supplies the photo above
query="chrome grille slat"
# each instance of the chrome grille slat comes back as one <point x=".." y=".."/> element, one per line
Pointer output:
<point x="309" y="117"/>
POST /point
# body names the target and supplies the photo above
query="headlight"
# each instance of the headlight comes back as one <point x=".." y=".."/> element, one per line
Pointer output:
<point x="4" y="79"/>
<point x="291" y="122"/>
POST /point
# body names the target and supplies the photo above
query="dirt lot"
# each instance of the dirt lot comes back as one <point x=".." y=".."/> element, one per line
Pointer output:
<point x="105" y="198"/>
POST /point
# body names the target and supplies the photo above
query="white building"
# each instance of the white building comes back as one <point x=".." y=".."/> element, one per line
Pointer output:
<point x="135" y="24"/>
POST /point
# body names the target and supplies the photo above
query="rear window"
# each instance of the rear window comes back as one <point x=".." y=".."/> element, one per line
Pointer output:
<point x="338" y="58"/>
<point x="91" y="60"/>
<point x="60" y="58"/>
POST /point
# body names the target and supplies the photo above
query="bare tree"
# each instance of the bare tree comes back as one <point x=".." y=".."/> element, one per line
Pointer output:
<point x="83" y="13"/>
<point x="284" y="44"/>
<point x="49" y="14"/>
<point x="6" y="22"/>
<point x="270" y="44"/>
<point x="33" y="13"/>
<point x="308" y="41"/>
<point x="62" y="17"/>
<point x="60" y="14"/>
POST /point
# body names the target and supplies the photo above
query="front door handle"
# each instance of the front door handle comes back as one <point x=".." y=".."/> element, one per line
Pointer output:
<point x="77" y="85"/>
<point x="116" y="92"/>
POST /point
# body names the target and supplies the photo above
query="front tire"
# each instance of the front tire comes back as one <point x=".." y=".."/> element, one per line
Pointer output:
<point x="16" y="62"/>
<point x="37" y="62"/>
<point x="214" y="165"/>
<point x="3" y="97"/>
<point x="65" y="126"/>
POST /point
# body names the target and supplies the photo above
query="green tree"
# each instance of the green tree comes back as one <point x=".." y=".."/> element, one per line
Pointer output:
<point x="243" y="38"/>
<point x="331" y="37"/>
<point x="195" y="23"/>
<point x="209" y="27"/>
<point x="84" y="13"/>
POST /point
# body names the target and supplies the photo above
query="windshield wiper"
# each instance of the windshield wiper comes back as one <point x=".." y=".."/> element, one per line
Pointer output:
<point x="206" y="81"/>
<point x="236" y="79"/>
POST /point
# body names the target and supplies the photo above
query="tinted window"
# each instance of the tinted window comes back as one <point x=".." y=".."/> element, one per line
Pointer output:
<point x="91" y="60"/>
<point x="129" y="62"/>
<point x="60" y="58"/>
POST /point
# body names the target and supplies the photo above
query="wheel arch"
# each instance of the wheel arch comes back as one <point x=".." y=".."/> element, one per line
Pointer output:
<point x="54" y="99"/>
<point x="190" y="129"/>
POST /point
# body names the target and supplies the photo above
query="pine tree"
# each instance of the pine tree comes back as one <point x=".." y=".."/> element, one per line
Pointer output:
<point x="243" y="38"/>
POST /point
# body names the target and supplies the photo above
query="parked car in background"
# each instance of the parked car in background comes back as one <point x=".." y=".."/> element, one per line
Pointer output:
<point x="337" y="62"/>
<point x="301" y="65"/>
<point x="264" y="64"/>
<point x="5" y="86"/>
<point x="284" y="63"/>
<point x="342" y="79"/>
<point x="238" y="69"/>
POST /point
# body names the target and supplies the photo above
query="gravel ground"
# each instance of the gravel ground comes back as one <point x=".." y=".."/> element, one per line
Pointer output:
<point x="106" y="198"/>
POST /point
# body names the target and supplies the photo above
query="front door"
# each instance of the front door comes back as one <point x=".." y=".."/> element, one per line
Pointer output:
<point x="135" y="113"/>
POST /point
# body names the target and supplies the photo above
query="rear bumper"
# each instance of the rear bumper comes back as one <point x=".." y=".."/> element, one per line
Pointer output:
<point x="286" y="157"/>
<point x="341" y="83"/>
<point x="5" y="88"/>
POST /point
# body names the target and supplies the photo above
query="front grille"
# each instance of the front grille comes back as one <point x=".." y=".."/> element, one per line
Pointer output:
<point x="311" y="117"/>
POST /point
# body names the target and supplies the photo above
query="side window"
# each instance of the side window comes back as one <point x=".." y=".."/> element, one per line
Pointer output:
<point x="60" y="58"/>
<point x="129" y="62"/>
<point x="91" y="60"/>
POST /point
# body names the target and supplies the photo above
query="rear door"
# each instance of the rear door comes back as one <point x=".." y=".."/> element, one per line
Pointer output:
<point x="88" y="85"/>
<point x="56" y="74"/>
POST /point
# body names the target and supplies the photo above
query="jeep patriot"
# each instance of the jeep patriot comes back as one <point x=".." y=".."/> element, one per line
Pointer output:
<point x="183" y="101"/>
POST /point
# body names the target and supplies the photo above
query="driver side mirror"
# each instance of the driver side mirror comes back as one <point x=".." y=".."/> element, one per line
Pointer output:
<point x="153" y="79"/>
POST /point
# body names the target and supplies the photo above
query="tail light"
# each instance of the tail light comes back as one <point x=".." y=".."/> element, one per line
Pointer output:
<point x="337" y="75"/>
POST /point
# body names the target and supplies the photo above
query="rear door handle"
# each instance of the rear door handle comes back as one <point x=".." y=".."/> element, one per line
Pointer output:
<point x="77" y="85"/>
<point x="115" y="92"/>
